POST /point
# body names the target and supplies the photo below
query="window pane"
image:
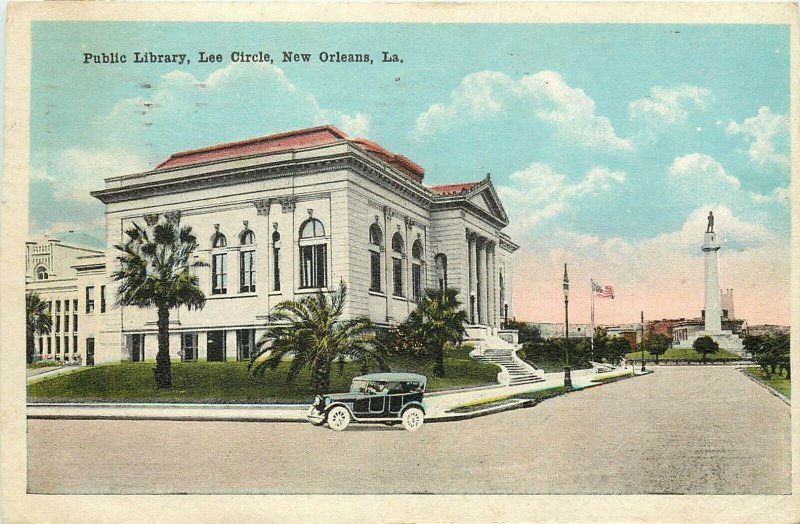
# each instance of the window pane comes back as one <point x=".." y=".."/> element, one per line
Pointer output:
<point x="375" y="271"/>
<point x="321" y="272"/>
<point x="397" y="272"/>
<point x="276" y="262"/>
<point x="416" y="281"/>
<point x="102" y="299"/>
<point x="219" y="278"/>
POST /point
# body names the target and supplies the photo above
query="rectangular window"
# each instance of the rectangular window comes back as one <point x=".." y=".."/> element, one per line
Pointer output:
<point x="188" y="347"/>
<point x="313" y="268"/>
<point x="397" y="275"/>
<point x="375" y="271"/>
<point x="276" y="263"/>
<point x="75" y="305"/>
<point x="75" y="322"/>
<point x="102" y="299"/>
<point x="247" y="271"/>
<point x="58" y="345"/>
<point x="49" y="345"/>
<point x="66" y="323"/>
<point x="41" y="345"/>
<point x="215" y="346"/>
<point x="416" y="281"/>
<point x="220" y="274"/>
<point x="58" y="324"/>
<point x="66" y="345"/>
<point x="90" y="299"/>
<point x="58" y="307"/>
<point x="245" y="342"/>
<point x="75" y="344"/>
<point x="136" y="347"/>
<point x="66" y="305"/>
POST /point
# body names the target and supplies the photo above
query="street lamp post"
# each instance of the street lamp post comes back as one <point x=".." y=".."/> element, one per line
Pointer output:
<point x="642" y="343"/>
<point x="567" y="377"/>
<point x="472" y="307"/>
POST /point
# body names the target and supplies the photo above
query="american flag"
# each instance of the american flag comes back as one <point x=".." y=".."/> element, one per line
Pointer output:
<point x="602" y="291"/>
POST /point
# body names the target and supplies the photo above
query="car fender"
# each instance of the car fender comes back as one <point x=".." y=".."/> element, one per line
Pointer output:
<point x="344" y="405"/>
<point x="414" y="404"/>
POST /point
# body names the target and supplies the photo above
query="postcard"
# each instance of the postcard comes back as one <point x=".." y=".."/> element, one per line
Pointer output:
<point x="403" y="262"/>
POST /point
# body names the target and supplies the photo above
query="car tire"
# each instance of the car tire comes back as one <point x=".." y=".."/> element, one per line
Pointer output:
<point x="413" y="418"/>
<point x="338" y="418"/>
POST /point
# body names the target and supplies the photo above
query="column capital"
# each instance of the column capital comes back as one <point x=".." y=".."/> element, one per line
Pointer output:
<point x="262" y="206"/>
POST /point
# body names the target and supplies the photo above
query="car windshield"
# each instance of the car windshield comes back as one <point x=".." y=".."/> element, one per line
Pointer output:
<point x="358" y="387"/>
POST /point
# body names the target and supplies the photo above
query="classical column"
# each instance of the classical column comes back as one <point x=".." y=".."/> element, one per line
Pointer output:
<point x="491" y="303"/>
<point x="480" y="271"/>
<point x="471" y="290"/>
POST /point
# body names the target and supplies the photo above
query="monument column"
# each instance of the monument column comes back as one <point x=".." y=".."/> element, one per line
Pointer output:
<point x="489" y="284"/>
<point x="713" y="302"/>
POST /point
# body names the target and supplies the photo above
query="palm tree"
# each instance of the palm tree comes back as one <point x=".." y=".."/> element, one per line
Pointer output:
<point x="437" y="321"/>
<point x="312" y="330"/>
<point x="155" y="270"/>
<point x="37" y="322"/>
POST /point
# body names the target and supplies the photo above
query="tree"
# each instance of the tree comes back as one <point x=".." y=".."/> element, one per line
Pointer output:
<point x="657" y="344"/>
<point x="601" y="340"/>
<point x="312" y="331"/>
<point x="527" y="332"/>
<point x="155" y="270"/>
<point x="37" y="322"/>
<point x="705" y="345"/>
<point x="616" y="349"/>
<point x="437" y="321"/>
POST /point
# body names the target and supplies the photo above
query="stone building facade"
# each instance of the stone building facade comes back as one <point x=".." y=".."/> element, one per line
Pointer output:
<point x="287" y="215"/>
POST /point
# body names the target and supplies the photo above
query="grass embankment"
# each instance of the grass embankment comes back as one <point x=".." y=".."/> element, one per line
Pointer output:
<point x="683" y="354"/>
<point x="489" y="402"/>
<point x="231" y="381"/>
<point x="776" y="380"/>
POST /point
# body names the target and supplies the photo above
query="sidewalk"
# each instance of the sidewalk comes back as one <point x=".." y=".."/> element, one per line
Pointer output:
<point x="438" y="405"/>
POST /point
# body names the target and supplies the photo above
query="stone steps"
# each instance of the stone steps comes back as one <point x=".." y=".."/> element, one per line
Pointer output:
<point x="518" y="373"/>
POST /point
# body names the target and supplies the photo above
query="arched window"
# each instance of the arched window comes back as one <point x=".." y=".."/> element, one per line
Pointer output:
<point x="312" y="228"/>
<point x="375" y="242"/>
<point x="375" y="235"/>
<point x="247" y="238"/>
<point x="397" y="264"/>
<point x="41" y="273"/>
<point x="441" y="270"/>
<point x="397" y="243"/>
<point x="313" y="254"/>
<point x="219" y="240"/>
<point x="416" y="270"/>
<point x="247" y="262"/>
<point x="276" y="260"/>
<point x="219" y="264"/>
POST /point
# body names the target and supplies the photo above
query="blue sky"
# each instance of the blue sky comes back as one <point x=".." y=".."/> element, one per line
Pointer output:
<point x="607" y="143"/>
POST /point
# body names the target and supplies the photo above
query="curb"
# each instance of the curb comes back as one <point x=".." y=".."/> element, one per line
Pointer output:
<point x="766" y="386"/>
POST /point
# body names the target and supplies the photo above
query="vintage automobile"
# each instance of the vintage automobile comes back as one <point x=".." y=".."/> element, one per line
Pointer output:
<point x="390" y="398"/>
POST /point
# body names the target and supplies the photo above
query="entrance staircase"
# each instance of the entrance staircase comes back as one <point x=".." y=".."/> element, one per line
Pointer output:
<point x="491" y="348"/>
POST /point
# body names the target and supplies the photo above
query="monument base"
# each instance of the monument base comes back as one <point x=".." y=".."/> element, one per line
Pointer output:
<point x="726" y="340"/>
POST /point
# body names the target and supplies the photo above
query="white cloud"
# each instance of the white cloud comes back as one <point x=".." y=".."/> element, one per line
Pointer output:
<point x="538" y="192"/>
<point x="768" y="134"/>
<point x="670" y="105"/>
<point x="545" y="94"/>
<point x="698" y="178"/>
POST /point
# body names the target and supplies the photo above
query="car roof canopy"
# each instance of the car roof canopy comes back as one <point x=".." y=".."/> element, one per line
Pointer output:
<point x="393" y="377"/>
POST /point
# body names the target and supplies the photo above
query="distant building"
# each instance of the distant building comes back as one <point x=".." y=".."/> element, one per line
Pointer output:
<point x="549" y="330"/>
<point x="72" y="280"/>
<point x="767" y="329"/>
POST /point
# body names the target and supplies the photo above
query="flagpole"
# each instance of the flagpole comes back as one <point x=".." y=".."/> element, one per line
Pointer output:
<point x="591" y="286"/>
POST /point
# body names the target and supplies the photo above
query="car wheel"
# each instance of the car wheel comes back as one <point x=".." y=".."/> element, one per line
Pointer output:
<point x="338" y="418"/>
<point x="314" y="418"/>
<point x="413" y="418"/>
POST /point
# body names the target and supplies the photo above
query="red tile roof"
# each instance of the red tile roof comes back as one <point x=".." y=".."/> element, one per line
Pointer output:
<point x="291" y="140"/>
<point x="449" y="189"/>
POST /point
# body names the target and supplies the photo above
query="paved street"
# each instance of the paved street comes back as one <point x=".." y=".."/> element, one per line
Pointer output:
<point x="680" y="430"/>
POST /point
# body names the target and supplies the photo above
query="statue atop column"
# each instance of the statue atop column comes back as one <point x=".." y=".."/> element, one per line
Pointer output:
<point x="710" y="227"/>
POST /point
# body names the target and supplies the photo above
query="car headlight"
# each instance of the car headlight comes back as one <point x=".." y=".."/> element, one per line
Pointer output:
<point x="318" y="400"/>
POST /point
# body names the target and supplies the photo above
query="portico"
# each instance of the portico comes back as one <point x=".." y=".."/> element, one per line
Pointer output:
<point x="485" y="293"/>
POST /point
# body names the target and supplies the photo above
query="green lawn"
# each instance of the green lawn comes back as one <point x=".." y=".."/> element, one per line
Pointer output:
<point x="231" y="381"/>
<point x="779" y="382"/>
<point x="682" y="354"/>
